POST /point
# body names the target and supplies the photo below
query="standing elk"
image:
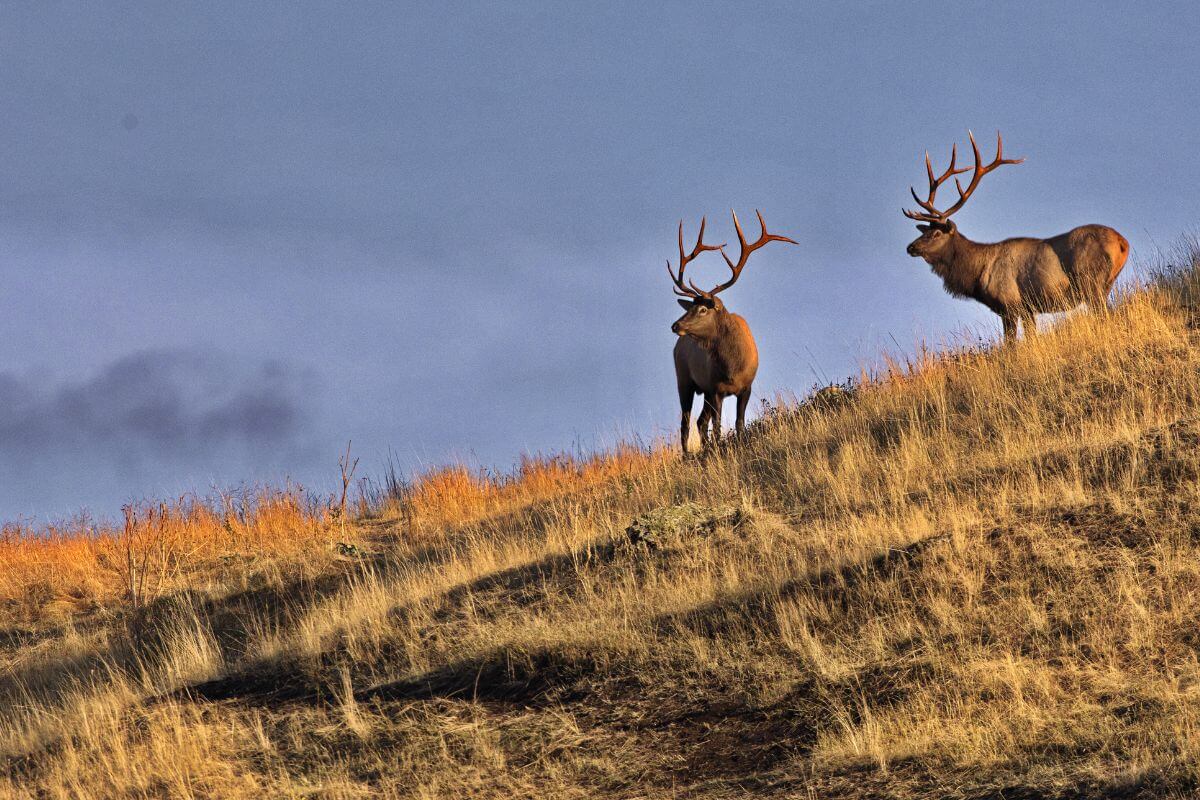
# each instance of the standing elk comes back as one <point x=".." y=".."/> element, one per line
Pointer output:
<point x="1016" y="278"/>
<point x="715" y="355"/>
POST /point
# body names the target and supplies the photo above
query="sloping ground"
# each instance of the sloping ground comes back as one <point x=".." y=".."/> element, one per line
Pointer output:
<point x="976" y="577"/>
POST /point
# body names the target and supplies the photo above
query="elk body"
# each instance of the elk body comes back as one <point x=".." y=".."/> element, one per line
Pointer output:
<point x="715" y="355"/>
<point x="1016" y="278"/>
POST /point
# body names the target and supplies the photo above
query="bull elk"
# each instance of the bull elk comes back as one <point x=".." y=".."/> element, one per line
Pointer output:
<point x="715" y="355"/>
<point x="1016" y="278"/>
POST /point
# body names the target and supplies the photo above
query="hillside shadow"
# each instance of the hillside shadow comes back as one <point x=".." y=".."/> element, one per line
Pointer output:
<point x="530" y="585"/>
<point x="832" y="585"/>
<point x="142" y="636"/>
<point x="699" y="737"/>
<point x="527" y="585"/>
<point x="505" y="675"/>
<point x="711" y="733"/>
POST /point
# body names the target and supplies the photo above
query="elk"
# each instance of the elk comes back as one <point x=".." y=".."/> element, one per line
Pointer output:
<point x="715" y="355"/>
<point x="1016" y="278"/>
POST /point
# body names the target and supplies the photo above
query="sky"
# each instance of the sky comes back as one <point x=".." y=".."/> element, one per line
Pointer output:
<point x="235" y="236"/>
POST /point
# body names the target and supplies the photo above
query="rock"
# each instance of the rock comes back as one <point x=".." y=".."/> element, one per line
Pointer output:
<point x="665" y="527"/>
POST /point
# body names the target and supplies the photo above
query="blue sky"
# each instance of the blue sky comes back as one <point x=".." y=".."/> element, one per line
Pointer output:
<point x="238" y="235"/>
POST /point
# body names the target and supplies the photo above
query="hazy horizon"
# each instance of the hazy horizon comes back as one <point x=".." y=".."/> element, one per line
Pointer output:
<point x="237" y="237"/>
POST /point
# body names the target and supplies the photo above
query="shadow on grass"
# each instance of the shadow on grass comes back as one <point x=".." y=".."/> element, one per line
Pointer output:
<point x="835" y="585"/>
<point x="527" y="585"/>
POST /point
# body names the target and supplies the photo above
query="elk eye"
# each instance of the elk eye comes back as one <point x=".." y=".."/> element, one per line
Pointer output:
<point x="703" y="309"/>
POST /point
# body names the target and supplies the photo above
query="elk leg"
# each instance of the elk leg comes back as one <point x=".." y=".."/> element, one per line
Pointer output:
<point x="1010" y="327"/>
<point x="710" y="415"/>
<point x="743" y="400"/>
<point x="687" y="394"/>
<point x="718" y="400"/>
<point x="702" y="423"/>
<point x="1028" y="324"/>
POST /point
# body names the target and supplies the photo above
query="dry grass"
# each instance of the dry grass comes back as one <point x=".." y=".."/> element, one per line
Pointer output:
<point x="455" y="495"/>
<point x="976" y="576"/>
<point x="53" y="575"/>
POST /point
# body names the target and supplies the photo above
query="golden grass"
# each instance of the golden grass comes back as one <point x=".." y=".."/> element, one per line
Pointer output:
<point x="978" y="572"/>
<point x="54" y="574"/>
<point x="455" y="495"/>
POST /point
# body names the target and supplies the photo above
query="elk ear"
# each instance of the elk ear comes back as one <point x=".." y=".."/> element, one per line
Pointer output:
<point x="924" y="228"/>
<point x="685" y="304"/>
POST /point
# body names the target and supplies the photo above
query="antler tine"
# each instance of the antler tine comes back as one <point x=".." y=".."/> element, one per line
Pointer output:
<point x="746" y="249"/>
<point x="690" y="289"/>
<point x="682" y="257"/>
<point x="931" y="214"/>
<point x="681" y="292"/>
<point x="770" y="237"/>
<point x="979" y="171"/>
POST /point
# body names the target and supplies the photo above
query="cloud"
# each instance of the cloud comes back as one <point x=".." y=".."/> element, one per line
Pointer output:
<point x="166" y="405"/>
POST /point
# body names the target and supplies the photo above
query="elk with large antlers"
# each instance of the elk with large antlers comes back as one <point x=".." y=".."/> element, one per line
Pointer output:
<point x="715" y="356"/>
<point x="1016" y="278"/>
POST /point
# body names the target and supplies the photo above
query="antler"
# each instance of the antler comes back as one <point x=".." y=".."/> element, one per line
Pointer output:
<point x="930" y="213"/>
<point x="690" y="290"/>
<point x="746" y="249"/>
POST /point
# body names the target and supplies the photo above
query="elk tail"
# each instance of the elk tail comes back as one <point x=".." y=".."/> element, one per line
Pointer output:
<point x="1117" y="248"/>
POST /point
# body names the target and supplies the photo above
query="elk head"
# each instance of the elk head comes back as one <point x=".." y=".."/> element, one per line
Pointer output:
<point x="938" y="229"/>
<point x="704" y="310"/>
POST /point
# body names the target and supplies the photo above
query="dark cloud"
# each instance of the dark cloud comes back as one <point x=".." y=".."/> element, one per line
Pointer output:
<point x="155" y="407"/>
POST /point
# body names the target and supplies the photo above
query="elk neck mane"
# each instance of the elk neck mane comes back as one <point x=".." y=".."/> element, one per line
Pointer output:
<point x="726" y="349"/>
<point x="961" y="265"/>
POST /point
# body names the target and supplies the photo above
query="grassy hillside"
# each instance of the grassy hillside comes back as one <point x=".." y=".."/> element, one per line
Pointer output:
<point x="976" y="575"/>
